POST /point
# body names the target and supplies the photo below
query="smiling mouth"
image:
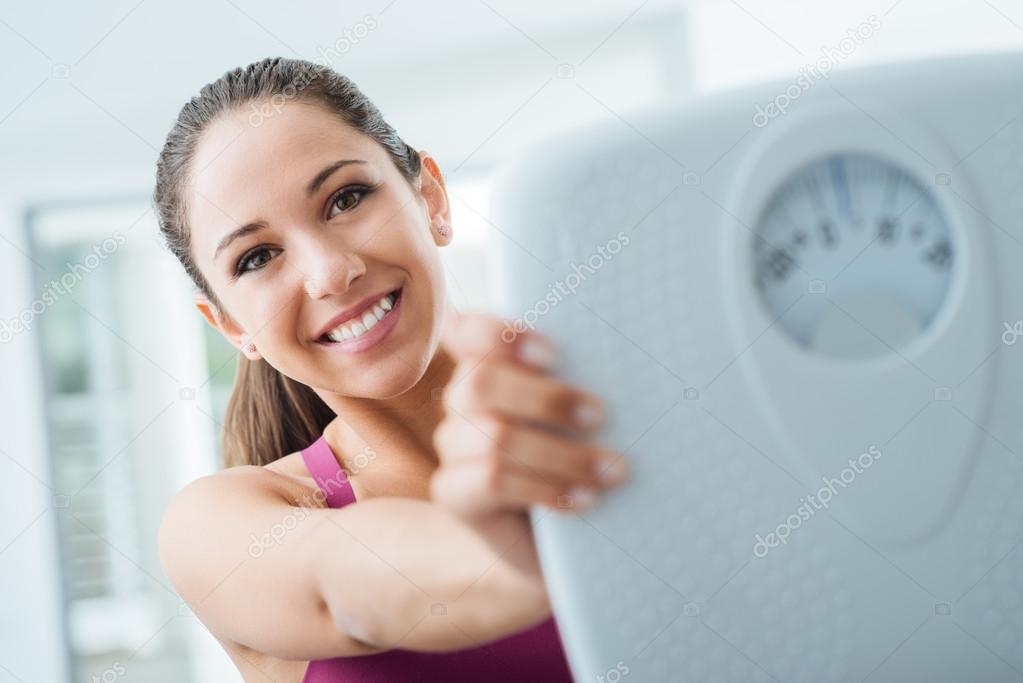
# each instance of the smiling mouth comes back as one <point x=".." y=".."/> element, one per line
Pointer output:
<point x="360" y="325"/>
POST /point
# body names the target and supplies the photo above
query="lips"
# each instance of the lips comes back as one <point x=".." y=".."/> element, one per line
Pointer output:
<point x="359" y="319"/>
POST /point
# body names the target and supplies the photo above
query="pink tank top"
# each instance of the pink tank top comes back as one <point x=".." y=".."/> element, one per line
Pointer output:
<point x="535" y="654"/>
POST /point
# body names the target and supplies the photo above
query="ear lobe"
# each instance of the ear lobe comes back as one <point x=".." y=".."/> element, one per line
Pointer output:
<point x="250" y="351"/>
<point x="441" y="231"/>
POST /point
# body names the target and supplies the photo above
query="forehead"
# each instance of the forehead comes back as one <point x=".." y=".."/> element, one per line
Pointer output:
<point x="243" y="172"/>
<point x="293" y="137"/>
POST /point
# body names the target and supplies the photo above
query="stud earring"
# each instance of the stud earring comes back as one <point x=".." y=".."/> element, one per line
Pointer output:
<point x="443" y="228"/>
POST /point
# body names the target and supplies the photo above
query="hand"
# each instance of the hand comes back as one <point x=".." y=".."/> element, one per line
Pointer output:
<point x="513" y="435"/>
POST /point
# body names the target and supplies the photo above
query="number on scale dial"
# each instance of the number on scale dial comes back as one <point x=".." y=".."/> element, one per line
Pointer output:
<point x="852" y="241"/>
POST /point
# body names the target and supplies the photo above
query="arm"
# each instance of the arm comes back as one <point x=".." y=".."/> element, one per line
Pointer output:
<point x="407" y="573"/>
<point x="342" y="582"/>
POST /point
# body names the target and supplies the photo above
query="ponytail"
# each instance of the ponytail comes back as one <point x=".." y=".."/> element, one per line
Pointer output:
<point x="269" y="415"/>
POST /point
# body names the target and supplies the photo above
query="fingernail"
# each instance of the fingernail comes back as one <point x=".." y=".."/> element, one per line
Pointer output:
<point x="537" y="352"/>
<point x="589" y="412"/>
<point x="609" y="469"/>
<point x="581" y="497"/>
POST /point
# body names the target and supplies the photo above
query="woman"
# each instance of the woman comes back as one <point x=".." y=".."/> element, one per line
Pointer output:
<point x="311" y="231"/>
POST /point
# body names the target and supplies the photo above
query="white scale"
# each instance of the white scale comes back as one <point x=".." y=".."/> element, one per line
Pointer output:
<point x="830" y="300"/>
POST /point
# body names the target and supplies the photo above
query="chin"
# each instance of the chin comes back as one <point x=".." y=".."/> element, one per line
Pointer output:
<point x="391" y="385"/>
<point x="381" y="381"/>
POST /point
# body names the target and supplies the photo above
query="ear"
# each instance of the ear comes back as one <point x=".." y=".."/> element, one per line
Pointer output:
<point x="435" y="194"/>
<point x="226" y="326"/>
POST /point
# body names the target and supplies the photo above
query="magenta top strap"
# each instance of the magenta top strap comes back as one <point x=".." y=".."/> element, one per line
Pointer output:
<point x="332" y="480"/>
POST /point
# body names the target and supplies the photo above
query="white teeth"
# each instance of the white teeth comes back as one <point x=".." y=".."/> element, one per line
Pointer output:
<point x="362" y="325"/>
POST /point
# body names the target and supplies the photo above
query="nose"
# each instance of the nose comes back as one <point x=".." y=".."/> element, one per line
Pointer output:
<point x="330" y="269"/>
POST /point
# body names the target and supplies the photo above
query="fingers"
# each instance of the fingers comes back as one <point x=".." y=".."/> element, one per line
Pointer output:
<point x="473" y="336"/>
<point x="566" y="463"/>
<point x="511" y="434"/>
<point x="563" y="461"/>
<point x="473" y="488"/>
<point x="499" y="387"/>
<point x="514" y="465"/>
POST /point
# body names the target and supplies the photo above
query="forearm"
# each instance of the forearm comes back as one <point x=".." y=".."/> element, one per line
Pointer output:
<point x="404" y="573"/>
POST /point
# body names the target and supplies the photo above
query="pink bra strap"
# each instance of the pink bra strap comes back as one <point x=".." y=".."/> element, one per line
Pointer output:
<point x="332" y="480"/>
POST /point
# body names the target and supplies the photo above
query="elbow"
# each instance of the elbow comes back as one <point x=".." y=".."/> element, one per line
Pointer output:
<point x="351" y="616"/>
<point x="355" y="627"/>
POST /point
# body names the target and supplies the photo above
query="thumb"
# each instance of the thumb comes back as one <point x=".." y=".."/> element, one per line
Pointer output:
<point x="478" y="335"/>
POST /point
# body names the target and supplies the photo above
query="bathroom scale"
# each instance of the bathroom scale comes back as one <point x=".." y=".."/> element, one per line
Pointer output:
<point x="803" y="305"/>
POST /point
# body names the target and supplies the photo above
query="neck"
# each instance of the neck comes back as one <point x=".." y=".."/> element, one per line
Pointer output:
<point x="410" y="417"/>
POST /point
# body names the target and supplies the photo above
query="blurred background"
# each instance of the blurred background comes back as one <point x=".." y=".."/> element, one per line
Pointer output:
<point x="112" y="386"/>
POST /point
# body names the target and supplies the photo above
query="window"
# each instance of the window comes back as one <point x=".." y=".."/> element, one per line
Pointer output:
<point x="121" y="349"/>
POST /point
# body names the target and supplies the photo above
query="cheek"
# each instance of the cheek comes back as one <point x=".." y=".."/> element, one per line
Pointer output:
<point x="420" y="257"/>
<point x="270" y="314"/>
<point x="433" y="273"/>
<point x="404" y="242"/>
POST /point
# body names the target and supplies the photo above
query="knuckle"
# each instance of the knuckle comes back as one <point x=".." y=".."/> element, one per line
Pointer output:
<point x="481" y="380"/>
<point x="558" y="402"/>
<point x="437" y="487"/>
<point x="493" y="475"/>
<point x="502" y="436"/>
<point x="457" y="395"/>
<point x="553" y="497"/>
<point x="444" y="491"/>
<point x="580" y="470"/>
<point x="443" y="436"/>
<point x="485" y="327"/>
<point x="592" y="455"/>
<point x="477" y="332"/>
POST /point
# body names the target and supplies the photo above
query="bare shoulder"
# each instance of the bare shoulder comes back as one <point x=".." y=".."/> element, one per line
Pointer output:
<point x="271" y="483"/>
<point x="218" y="500"/>
<point x="217" y="546"/>
<point x="291" y="478"/>
<point x="291" y="466"/>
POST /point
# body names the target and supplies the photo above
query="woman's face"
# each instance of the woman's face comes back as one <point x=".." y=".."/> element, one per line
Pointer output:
<point x="304" y="226"/>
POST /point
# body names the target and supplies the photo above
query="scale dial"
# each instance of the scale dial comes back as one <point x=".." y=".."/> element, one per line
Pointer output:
<point x="853" y="256"/>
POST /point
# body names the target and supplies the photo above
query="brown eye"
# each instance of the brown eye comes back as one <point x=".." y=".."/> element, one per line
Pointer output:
<point x="252" y="260"/>
<point x="346" y="199"/>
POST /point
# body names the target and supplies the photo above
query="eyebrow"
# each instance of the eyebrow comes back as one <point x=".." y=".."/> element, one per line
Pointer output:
<point x="235" y="234"/>
<point x="310" y="189"/>
<point x="322" y="176"/>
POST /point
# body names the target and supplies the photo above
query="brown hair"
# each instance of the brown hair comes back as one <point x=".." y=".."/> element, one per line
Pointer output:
<point x="268" y="415"/>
